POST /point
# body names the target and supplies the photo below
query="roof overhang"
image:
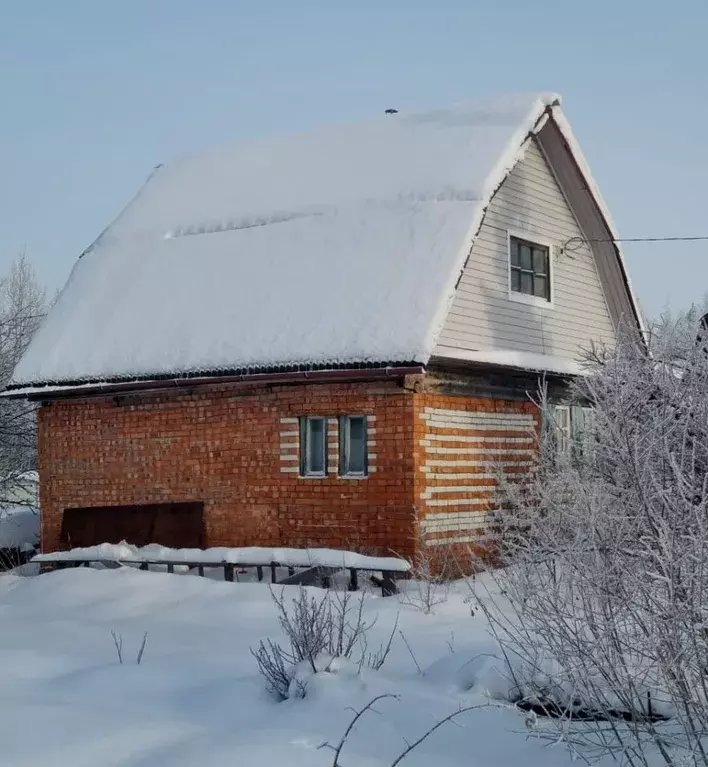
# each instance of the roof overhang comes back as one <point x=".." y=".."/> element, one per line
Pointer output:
<point x="92" y="389"/>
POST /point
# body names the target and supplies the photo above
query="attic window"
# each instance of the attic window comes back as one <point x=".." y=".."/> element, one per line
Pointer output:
<point x="529" y="270"/>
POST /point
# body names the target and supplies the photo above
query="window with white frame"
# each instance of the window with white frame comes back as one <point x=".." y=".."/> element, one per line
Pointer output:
<point x="530" y="269"/>
<point x="561" y="423"/>
<point x="571" y="429"/>
<point x="313" y="446"/>
<point x="352" y="446"/>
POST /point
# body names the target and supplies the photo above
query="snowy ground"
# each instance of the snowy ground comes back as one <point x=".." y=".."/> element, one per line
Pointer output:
<point x="197" y="699"/>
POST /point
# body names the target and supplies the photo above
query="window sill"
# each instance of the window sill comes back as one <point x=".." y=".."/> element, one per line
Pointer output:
<point x="523" y="298"/>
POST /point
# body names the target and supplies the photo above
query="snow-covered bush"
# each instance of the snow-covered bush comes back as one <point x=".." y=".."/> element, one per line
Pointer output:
<point x="430" y="574"/>
<point x="607" y="559"/>
<point x="325" y="633"/>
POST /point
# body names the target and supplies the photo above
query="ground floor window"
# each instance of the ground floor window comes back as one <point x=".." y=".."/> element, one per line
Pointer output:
<point x="570" y="429"/>
<point x="352" y="446"/>
<point x="313" y="446"/>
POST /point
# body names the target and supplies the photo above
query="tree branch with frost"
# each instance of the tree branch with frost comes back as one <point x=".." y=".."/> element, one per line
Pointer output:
<point x="409" y="746"/>
<point x="606" y="584"/>
<point x="357" y="715"/>
<point x="23" y="305"/>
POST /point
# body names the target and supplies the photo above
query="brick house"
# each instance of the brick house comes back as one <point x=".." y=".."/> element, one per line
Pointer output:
<point x="325" y="339"/>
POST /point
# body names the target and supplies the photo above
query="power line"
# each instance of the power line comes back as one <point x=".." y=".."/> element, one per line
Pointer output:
<point x="640" y="239"/>
<point x="586" y="240"/>
<point x="575" y="243"/>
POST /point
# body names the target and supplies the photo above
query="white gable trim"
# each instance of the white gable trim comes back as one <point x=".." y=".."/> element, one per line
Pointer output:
<point x="577" y="154"/>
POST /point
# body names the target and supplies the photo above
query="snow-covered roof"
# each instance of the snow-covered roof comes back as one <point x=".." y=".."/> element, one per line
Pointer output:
<point x="339" y="247"/>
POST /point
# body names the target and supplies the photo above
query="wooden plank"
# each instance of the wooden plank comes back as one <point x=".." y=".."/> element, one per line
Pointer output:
<point x="386" y="583"/>
<point x="309" y="576"/>
<point x="305" y="576"/>
<point x="259" y="571"/>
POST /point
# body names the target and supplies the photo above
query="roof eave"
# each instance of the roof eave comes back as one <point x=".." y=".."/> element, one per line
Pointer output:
<point x="81" y="390"/>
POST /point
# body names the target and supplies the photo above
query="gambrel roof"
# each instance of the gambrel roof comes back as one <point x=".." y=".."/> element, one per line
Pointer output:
<point x="338" y="248"/>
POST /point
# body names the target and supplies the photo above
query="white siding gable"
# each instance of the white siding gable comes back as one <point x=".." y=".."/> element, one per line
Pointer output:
<point x="483" y="317"/>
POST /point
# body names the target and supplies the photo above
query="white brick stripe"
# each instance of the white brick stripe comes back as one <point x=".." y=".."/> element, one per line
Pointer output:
<point x="437" y="489"/>
<point x="289" y="420"/>
<point x="472" y="414"/>
<point x="457" y="539"/>
<point x="289" y="469"/>
<point x="463" y="438"/>
<point x="471" y="475"/>
<point x="478" y="450"/>
<point x="487" y="426"/>
<point x="460" y="501"/>
<point x="452" y="527"/>
<point x="479" y="463"/>
<point x="452" y="516"/>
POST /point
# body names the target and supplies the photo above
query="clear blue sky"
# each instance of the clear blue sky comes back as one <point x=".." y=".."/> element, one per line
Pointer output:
<point x="95" y="93"/>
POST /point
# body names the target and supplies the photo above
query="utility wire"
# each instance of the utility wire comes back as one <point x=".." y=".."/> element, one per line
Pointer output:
<point x="577" y="241"/>
<point x="640" y="239"/>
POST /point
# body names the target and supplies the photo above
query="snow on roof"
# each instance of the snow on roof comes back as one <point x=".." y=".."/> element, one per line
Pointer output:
<point x="338" y="247"/>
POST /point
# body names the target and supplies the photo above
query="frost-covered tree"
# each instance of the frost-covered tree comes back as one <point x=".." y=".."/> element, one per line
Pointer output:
<point x="607" y="559"/>
<point x="23" y="305"/>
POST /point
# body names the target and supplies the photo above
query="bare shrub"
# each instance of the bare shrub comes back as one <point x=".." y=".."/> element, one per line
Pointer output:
<point x="23" y="305"/>
<point x="409" y="746"/>
<point x="118" y="644"/>
<point x="604" y="602"/>
<point x="430" y="573"/>
<point x="318" y="631"/>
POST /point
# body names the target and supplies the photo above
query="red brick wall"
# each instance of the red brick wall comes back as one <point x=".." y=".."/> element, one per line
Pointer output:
<point x="222" y="445"/>
<point x="460" y="444"/>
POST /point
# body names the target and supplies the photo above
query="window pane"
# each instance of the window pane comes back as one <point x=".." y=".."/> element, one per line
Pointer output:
<point x="540" y="261"/>
<point x="515" y="280"/>
<point x="356" y="445"/>
<point x="515" y="258"/>
<point x="526" y="260"/>
<point x="527" y="283"/>
<point x="562" y="419"/>
<point x="315" y="446"/>
<point x="540" y="285"/>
